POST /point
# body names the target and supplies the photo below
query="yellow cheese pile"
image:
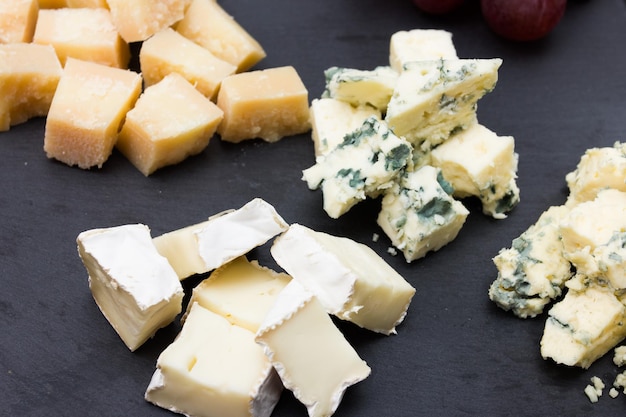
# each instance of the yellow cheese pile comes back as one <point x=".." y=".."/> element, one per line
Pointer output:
<point x="67" y="60"/>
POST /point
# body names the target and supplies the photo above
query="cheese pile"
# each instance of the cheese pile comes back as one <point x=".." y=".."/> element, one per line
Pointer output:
<point x="408" y="132"/>
<point x="247" y="332"/>
<point x="578" y="248"/>
<point x="68" y="61"/>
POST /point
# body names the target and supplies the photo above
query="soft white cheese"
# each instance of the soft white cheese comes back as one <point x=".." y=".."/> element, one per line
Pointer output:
<point x="419" y="45"/>
<point x="133" y="285"/>
<point x="419" y="215"/>
<point x="361" y="87"/>
<point x="214" y="369"/>
<point x="362" y="166"/>
<point x="435" y="99"/>
<point x="208" y="245"/>
<point x="311" y="355"/>
<point x="351" y="280"/>
<point x="478" y="162"/>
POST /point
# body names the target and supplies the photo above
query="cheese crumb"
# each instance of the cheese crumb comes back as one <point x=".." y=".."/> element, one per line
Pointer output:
<point x="375" y="237"/>
<point x="594" y="390"/>
<point x="613" y="393"/>
<point x="619" y="357"/>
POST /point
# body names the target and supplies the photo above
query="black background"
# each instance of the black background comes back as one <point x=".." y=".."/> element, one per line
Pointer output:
<point x="456" y="354"/>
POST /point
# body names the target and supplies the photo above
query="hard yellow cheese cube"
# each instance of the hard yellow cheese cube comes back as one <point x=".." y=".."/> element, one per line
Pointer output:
<point x="87" y="34"/>
<point x="87" y="110"/>
<point x="171" y="121"/>
<point x="207" y="24"/>
<point x="268" y="104"/>
<point x="138" y="20"/>
<point x="29" y="75"/>
<point x="168" y="51"/>
<point x="17" y="20"/>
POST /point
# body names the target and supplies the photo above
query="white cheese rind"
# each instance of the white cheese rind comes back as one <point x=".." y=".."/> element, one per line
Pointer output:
<point x="310" y="354"/>
<point x="478" y="162"/>
<point x="583" y="326"/>
<point x="350" y="280"/>
<point x="206" y="246"/>
<point x="214" y="369"/>
<point x="435" y="99"/>
<point x="533" y="271"/>
<point x="419" y="45"/>
<point x="362" y="166"/>
<point x="419" y="215"/>
<point x="133" y="285"/>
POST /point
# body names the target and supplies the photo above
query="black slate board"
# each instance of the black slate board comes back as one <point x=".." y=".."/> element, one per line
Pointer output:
<point x="456" y="354"/>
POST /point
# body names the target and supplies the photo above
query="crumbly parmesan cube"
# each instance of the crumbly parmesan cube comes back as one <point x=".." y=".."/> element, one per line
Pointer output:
<point x="477" y="162"/>
<point x="87" y="34"/>
<point x="214" y="369"/>
<point x="361" y="87"/>
<point x="350" y="280"/>
<point x="435" y="99"/>
<point x="241" y="291"/>
<point x="332" y="119"/>
<point x="17" y="20"/>
<point x="209" y="25"/>
<point x="168" y="51"/>
<point x="86" y="113"/>
<point x="583" y="326"/>
<point x="419" y="215"/>
<point x="205" y="246"/>
<point x="532" y="272"/>
<point x="267" y="104"/>
<point x="419" y="45"/>
<point x="29" y="76"/>
<point x="309" y="352"/>
<point x="133" y="285"/>
<point x="170" y="122"/>
<point x="363" y="165"/>
<point x="598" y="169"/>
<point x="592" y="224"/>
<point x="139" y="19"/>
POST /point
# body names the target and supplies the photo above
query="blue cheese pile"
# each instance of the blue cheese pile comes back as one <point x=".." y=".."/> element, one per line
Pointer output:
<point x="578" y="248"/>
<point x="408" y="132"/>
<point x="248" y="332"/>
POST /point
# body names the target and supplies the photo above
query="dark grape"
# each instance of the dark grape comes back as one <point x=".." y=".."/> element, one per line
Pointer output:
<point x="438" y="6"/>
<point x="522" y="20"/>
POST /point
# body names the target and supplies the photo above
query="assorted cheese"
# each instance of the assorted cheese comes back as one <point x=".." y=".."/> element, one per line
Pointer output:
<point x="577" y="249"/>
<point x="417" y="112"/>
<point x="248" y="331"/>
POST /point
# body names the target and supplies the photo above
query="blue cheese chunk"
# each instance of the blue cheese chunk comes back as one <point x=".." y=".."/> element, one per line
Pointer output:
<point x="606" y="263"/>
<point x="587" y="323"/>
<point x="419" y="215"/>
<point x="361" y="87"/>
<point x="435" y="99"/>
<point x="362" y="166"/>
<point x="598" y="169"/>
<point x="533" y="271"/>
<point x="478" y="162"/>
<point x="419" y="45"/>
<point x="332" y="119"/>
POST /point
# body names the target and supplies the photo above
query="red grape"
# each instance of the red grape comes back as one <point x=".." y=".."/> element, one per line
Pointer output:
<point x="522" y="20"/>
<point x="438" y="6"/>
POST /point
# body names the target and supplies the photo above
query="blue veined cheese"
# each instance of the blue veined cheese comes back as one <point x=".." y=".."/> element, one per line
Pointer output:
<point x="419" y="45"/>
<point x="533" y="271"/>
<point x="419" y="215"/>
<point x="591" y="224"/>
<point x="363" y="165"/>
<point x="205" y="246"/>
<point x="478" y="162"/>
<point x="606" y="263"/>
<point x="136" y="289"/>
<point x="350" y="280"/>
<point x="598" y="169"/>
<point x="435" y="99"/>
<point x="361" y="87"/>
<point x="214" y="369"/>
<point x="310" y="354"/>
<point x="587" y="323"/>
<point x="332" y="119"/>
